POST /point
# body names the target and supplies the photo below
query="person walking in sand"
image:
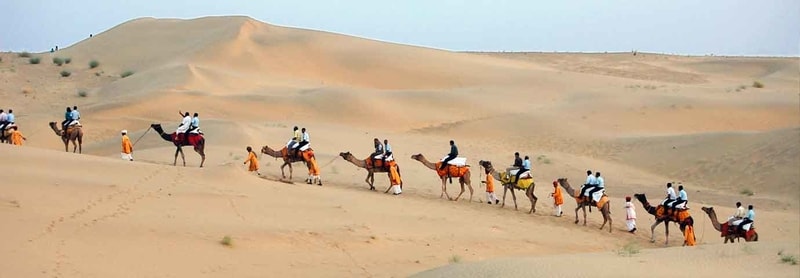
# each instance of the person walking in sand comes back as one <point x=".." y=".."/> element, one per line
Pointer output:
<point x="630" y="215"/>
<point x="17" y="137"/>
<point x="490" y="188"/>
<point x="127" y="147"/>
<point x="558" y="199"/>
<point x="251" y="157"/>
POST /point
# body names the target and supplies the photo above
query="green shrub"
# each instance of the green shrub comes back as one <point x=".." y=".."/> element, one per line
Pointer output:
<point x="65" y="73"/>
<point x="629" y="249"/>
<point x="227" y="241"/>
<point x="757" y="84"/>
<point x="94" y="64"/>
<point x="67" y="60"/>
<point x="82" y="93"/>
<point x="58" y="61"/>
<point x="34" y="60"/>
<point x="126" y="73"/>
<point x="24" y="55"/>
<point x="747" y="192"/>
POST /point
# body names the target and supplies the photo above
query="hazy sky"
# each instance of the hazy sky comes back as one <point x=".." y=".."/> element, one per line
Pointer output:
<point x="732" y="27"/>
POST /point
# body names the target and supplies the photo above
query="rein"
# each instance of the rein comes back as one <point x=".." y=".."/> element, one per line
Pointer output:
<point x="140" y="137"/>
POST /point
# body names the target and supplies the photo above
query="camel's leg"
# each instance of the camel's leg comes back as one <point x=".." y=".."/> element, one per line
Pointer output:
<point x="505" y="188"/>
<point x="576" y="213"/>
<point x="290" y="170"/>
<point x="461" y="183"/>
<point x="666" y="232"/>
<point x="444" y="189"/>
<point x="584" y="214"/>
<point x="471" y="190"/>
<point x="532" y="197"/>
<point x="514" y="197"/>
<point x="202" y="157"/>
<point x="80" y="143"/>
<point x="66" y="145"/>
<point x="604" y="211"/>
<point x="608" y="214"/>
<point x="175" y="162"/>
<point x="653" y="230"/>
<point x="183" y="157"/>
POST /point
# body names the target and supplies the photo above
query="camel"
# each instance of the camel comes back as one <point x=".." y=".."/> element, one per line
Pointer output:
<point x="723" y="228"/>
<point x="72" y="133"/>
<point x="511" y="187"/>
<point x="584" y="202"/>
<point x="685" y="221"/>
<point x="463" y="178"/>
<point x="199" y="144"/>
<point x="371" y="170"/>
<point x="287" y="159"/>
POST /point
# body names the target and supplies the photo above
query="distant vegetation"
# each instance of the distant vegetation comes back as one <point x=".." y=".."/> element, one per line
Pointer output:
<point x="24" y="55"/>
<point x="82" y="93"/>
<point x="747" y="192"/>
<point x="58" y="61"/>
<point x="67" y="60"/>
<point x="227" y="241"/>
<point x="787" y="258"/>
<point x="34" y="60"/>
<point x="629" y="249"/>
<point x="65" y="73"/>
<point x="757" y="84"/>
<point x="93" y="64"/>
<point x="126" y="73"/>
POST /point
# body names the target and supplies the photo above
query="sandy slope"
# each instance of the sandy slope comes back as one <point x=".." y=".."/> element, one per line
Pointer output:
<point x="642" y="120"/>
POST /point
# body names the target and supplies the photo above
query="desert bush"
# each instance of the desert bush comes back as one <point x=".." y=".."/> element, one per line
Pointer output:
<point x="34" y="60"/>
<point x="629" y="249"/>
<point x="227" y="241"/>
<point x="24" y="55"/>
<point x="126" y="73"/>
<point x="65" y="73"/>
<point x="82" y="93"/>
<point x="757" y="84"/>
<point x="67" y="60"/>
<point x="747" y="191"/>
<point x="58" y="61"/>
<point x="94" y="64"/>
<point x="455" y="259"/>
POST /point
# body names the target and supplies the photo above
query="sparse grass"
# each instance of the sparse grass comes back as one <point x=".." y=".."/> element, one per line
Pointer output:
<point x="543" y="159"/>
<point x="94" y="64"/>
<point x="58" y="61"/>
<point x="34" y="60"/>
<point x="65" y="73"/>
<point x="126" y="73"/>
<point x="455" y="259"/>
<point x="227" y="241"/>
<point x="757" y="84"/>
<point x="82" y="93"/>
<point x="67" y="60"/>
<point x="24" y="55"/>
<point x="629" y="249"/>
<point x="747" y="192"/>
<point x="96" y="74"/>
<point x="747" y="249"/>
<point x="788" y="259"/>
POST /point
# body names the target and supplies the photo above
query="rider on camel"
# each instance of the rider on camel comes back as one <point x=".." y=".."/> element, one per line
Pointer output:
<point x="450" y="156"/>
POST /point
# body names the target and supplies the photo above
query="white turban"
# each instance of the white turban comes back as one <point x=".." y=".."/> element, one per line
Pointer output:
<point x="124" y="131"/>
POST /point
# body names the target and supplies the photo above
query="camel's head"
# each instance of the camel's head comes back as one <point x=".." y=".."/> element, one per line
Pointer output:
<point x="52" y="124"/>
<point x="346" y="155"/>
<point x="708" y="210"/>
<point x="641" y="197"/>
<point x="485" y="164"/>
<point x="417" y="157"/>
<point x="157" y="128"/>
<point x="561" y="181"/>
<point x="264" y="149"/>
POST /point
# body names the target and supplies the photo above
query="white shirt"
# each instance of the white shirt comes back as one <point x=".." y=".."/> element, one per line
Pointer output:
<point x="740" y="213"/>
<point x="591" y="180"/>
<point x="671" y="193"/>
<point x="75" y="115"/>
<point x="186" y="121"/>
<point x="630" y="210"/>
<point x="305" y="137"/>
<point x="600" y="182"/>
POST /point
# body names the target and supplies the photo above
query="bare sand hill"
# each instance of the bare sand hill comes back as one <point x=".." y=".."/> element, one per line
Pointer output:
<point x="641" y="120"/>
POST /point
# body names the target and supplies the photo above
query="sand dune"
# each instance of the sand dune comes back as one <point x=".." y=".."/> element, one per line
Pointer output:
<point x="642" y="120"/>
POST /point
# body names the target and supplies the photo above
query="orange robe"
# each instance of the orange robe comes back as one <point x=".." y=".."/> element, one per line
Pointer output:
<point x="16" y="138"/>
<point x="489" y="183"/>
<point x="558" y="198"/>
<point x="253" y="162"/>
<point x="127" y="147"/>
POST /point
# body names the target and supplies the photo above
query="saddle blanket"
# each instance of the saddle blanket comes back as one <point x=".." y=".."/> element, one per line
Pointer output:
<point x="291" y="145"/>
<point x="735" y="223"/>
<point x="380" y="157"/>
<point x="526" y="174"/>
<point x="668" y="203"/>
<point x="9" y="126"/>
<point x="458" y="161"/>
<point x="597" y="195"/>
<point x="73" y="123"/>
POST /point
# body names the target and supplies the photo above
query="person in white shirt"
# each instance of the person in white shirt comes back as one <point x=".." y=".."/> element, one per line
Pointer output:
<point x="600" y="184"/>
<point x="630" y="215"/>
<point x="75" y="114"/>
<point x="3" y="119"/>
<point x="591" y="182"/>
<point x="185" y="126"/>
<point x="669" y="201"/>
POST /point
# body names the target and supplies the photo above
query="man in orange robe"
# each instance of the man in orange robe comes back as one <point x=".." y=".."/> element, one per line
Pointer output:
<point x="251" y="157"/>
<point x="558" y="199"/>
<point x="17" y="137"/>
<point x="127" y="147"/>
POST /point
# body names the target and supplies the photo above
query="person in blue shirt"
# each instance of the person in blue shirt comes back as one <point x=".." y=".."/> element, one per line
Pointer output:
<point x="67" y="118"/>
<point x="526" y="166"/>
<point x="75" y="114"/>
<point x="450" y="156"/>
<point x="749" y="217"/>
<point x="601" y="184"/>
<point x="683" y="198"/>
<point x="387" y="150"/>
<point x="195" y="122"/>
<point x="10" y="117"/>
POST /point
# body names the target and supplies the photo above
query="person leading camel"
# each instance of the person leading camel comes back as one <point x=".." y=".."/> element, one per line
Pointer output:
<point x="526" y="166"/>
<point x="450" y="156"/>
<point x="127" y="147"/>
<point x="558" y="199"/>
<point x="490" y="187"/>
<point x="591" y="182"/>
<point x="17" y="137"/>
<point x="630" y="215"/>
<point x="251" y="157"/>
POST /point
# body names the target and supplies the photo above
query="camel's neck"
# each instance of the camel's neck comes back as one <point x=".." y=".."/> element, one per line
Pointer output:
<point x="356" y="161"/>
<point x="166" y="137"/>
<point x="273" y="153"/>
<point x="495" y="174"/>
<point x="568" y="188"/>
<point x="427" y="163"/>
<point x="56" y="130"/>
<point x="646" y="205"/>
<point x="714" y="222"/>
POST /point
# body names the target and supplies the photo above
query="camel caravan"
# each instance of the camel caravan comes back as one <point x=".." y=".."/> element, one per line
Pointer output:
<point x="518" y="176"/>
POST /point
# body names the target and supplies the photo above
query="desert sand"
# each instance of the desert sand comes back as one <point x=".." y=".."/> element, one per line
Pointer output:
<point x="641" y="120"/>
